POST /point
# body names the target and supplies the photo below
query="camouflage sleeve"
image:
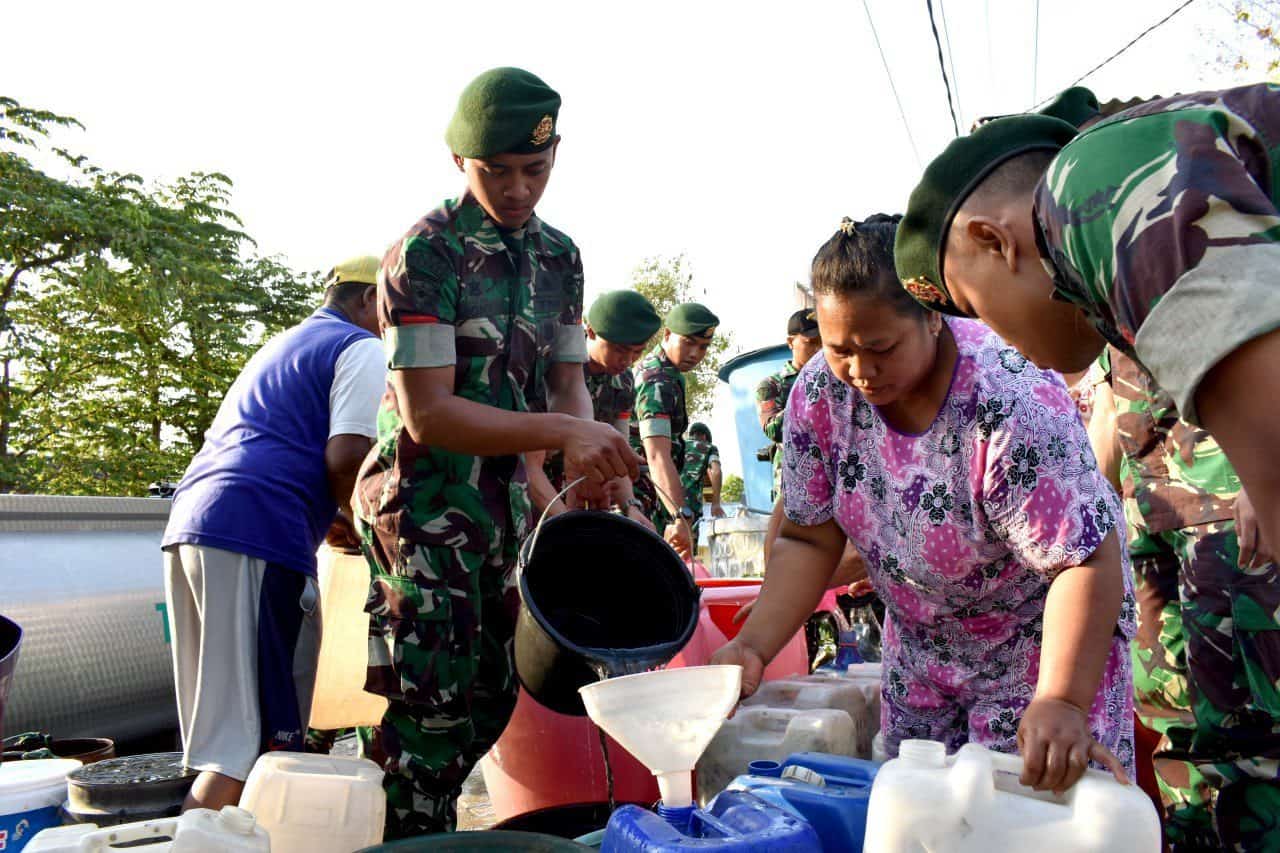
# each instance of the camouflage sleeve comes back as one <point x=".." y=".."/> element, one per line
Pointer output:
<point x="418" y="303"/>
<point x="656" y="400"/>
<point x="1165" y="225"/>
<point x="713" y="455"/>
<point x="769" y="407"/>
<point x="571" y="344"/>
<point x="626" y="403"/>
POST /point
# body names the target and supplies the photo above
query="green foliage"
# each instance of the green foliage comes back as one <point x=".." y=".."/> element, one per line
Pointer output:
<point x="1260" y="20"/>
<point x="666" y="283"/>
<point x="732" y="489"/>
<point x="126" y="311"/>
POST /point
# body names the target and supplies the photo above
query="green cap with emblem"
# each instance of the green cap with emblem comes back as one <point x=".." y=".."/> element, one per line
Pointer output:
<point x="1075" y="106"/>
<point x="692" y="320"/>
<point x="623" y="317"/>
<point x="947" y="182"/>
<point x="503" y="111"/>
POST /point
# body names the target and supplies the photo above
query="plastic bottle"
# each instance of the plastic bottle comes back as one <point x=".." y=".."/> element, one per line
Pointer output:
<point x="972" y="803"/>
<point x="316" y="803"/>
<point x="739" y="822"/>
<point x="232" y="830"/>
<point x="757" y="732"/>
<point x="830" y="792"/>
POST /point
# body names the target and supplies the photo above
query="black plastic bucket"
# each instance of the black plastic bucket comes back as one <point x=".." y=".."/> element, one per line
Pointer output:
<point x="572" y="821"/>
<point x="480" y="842"/>
<point x="599" y="593"/>
<point x="10" y="641"/>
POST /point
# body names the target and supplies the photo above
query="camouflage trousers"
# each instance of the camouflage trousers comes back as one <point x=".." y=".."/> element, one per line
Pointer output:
<point x="1206" y="668"/>
<point x="441" y="651"/>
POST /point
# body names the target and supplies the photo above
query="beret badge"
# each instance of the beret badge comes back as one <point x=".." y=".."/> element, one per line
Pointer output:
<point x="925" y="290"/>
<point x="542" y="132"/>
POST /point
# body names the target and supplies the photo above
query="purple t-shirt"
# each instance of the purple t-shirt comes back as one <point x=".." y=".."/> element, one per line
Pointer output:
<point x="963" y="526"/>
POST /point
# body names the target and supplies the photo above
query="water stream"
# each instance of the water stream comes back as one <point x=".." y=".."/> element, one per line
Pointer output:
<point x="608" y="768"/>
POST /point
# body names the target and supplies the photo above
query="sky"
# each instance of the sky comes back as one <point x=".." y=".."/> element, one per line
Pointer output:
<point x="737" y="134"/>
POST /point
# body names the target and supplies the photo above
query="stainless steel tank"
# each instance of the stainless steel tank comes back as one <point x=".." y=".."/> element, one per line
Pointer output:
<point x="83" y="578"/>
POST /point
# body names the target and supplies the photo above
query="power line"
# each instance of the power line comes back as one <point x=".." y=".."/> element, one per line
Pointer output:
<point x="1035" y="56"/>
<point x="1139" y="37"/>
<point x="955" y="123"/>
<point x="892" y="87"/>
<point x="951" y="59"/>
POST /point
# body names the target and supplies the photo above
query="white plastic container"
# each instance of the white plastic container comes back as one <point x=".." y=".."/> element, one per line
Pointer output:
<point x="763" y="733"/>
<point x="30" y="793"/>
<point x="231" y="830"/>
<point x="972" y="803"/>
<point x="878" y="751"/>
<point x="810" y="692"/>
<point x="340" y="700"/>
<point x="316" y="803"/>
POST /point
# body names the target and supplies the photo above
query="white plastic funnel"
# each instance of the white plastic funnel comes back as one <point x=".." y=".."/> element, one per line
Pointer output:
<point x="666" y="719"/>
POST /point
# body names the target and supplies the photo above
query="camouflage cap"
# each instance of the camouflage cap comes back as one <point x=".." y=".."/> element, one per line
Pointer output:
<point x="1075" y="106"/>
<point x="692" y="320"/>
<point x="623" y="317"/>
<point x="361" y="268"/>
<point x="503" y="111"/>
<point x="947" y="182"/>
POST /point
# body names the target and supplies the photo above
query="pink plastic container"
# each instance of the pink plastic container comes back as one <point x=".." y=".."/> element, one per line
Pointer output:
<point x="545" y="759"/>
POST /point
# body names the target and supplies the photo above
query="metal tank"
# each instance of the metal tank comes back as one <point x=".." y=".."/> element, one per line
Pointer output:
<point x="83" y="578"/>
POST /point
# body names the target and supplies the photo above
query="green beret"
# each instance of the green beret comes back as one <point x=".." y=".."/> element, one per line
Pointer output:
<point x="692" y="320"/>
<point x="1075" y="106"/>
<point x="503" y="111"/>
<point x="699" y="428"/>
<point x="624" y="317"/>
<point x="947" y="182"/>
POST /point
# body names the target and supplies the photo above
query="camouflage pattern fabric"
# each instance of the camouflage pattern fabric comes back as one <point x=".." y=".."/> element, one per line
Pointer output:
<point x="697" y="457"/>
<point x="440" y="529"/>
<point x="659" y="411"/>
<point x="1207" y="654"/>
<point x="771" y="403"/>
<point x="612" y="399"/>
<point x="1174" y="191"/>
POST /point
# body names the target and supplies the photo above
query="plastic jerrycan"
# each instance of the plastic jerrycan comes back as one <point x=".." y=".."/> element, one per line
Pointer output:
<point x="339" y="699"/>
<point x="231" y="830"/>
<point x="739" y="822"/>
<point x="763" y="733"/>
<point x="316" y="803"/>
<point x="831" y="792"/>
<point x="972" y="801"/>
<point x="825" y="692"/>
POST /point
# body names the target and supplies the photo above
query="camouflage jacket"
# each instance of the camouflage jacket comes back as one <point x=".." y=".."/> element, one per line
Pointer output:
<point x="500" y="309"/>
<point x="698" y="456"/>
<point x="612" y="398"/>
<point x="660" y="409"/>
<point x="1173" y="474"/>
<point x="771" y="404"/>
<point x="1150" y="217"/>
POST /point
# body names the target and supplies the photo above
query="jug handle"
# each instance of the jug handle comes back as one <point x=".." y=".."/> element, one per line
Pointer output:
<point x="1013" y="764"/>
<point x="109" y="838"/>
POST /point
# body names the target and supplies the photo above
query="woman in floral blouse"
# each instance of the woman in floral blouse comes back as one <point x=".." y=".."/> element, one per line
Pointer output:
<point x="963" y="475"/>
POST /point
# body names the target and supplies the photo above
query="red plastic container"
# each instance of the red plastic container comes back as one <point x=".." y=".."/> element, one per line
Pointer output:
<point x="545" y="759"/>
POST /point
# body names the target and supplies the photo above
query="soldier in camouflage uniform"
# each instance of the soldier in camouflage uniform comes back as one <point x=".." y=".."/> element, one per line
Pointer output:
<point x="658" y="428"/>
<point x="700" y="475"/>
<point x="1159" y="227"/>
<point x="481" y="308"/>
<point x="804" y="341"/>
<point x="618" y="325"/>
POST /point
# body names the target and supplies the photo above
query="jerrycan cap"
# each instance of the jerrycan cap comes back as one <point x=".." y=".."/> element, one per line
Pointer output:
<point x="237" y="820"/>
<point x="805" y="775"/>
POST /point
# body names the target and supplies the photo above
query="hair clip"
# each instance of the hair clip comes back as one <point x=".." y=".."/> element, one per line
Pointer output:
<point x="848" y="226"/>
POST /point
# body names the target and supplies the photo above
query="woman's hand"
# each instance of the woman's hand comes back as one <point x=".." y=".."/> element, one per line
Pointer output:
<point x="1057" y="745"/>
<point x="738" y="653"/>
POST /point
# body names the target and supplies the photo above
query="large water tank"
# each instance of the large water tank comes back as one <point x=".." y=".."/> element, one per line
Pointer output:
<point x="83" y="578"/>
<point x="742" y="374"/>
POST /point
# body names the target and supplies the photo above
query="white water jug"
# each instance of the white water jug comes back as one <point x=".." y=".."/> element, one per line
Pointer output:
<point x="763" y="733"/>
<point x="231" y="830"/>
<point x="316" y="803"/>
<point x="810" y="692"/>
<point x="972" y="803"/>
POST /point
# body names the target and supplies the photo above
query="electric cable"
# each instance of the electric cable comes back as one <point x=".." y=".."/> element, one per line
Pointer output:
<point x="942" y="66"/>
<point x="905" y="124"/>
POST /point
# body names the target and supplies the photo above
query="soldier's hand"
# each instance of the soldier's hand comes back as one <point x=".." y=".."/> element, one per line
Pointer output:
<point x="342" y="535"/>
<point x="680" y="537"/>
<point x="597" y="451"/>
<point x="1254" y="550"/>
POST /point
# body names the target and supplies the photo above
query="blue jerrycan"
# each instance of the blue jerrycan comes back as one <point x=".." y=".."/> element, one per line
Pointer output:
<point x="737" y="822"/>
<point x="830" y="792"/>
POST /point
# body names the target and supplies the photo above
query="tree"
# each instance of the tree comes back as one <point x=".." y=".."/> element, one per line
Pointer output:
<point x="126" y="310"/>
<point x="733" y="489"/>
<point x="1260" y="20"/>
<point x="666" y="282"/>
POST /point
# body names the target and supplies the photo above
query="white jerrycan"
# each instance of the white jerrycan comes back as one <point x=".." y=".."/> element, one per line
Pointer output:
<point x="972" y="803"/>
<point x="231" y="830"/>
<point x="823" y="692"/>
<point x="764" y="733"/>
<point x="316" y="803"/>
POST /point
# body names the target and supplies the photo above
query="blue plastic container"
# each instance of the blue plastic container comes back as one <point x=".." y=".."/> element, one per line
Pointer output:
<point x="836" y="807"/>
<point x="736" y="822"/>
